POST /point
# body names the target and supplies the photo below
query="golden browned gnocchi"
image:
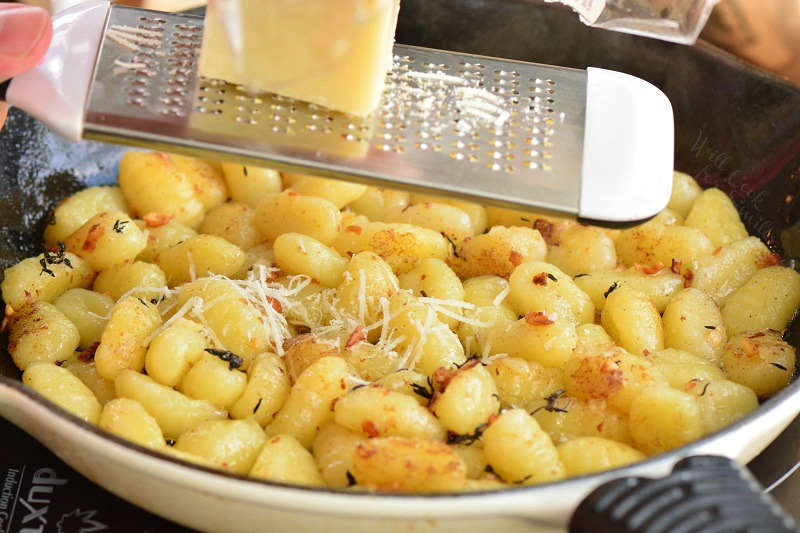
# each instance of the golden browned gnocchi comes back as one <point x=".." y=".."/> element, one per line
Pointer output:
<point x="309" y="331"/>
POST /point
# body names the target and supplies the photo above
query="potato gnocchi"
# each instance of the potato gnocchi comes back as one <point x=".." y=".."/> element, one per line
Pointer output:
<point x="320" y="333"/>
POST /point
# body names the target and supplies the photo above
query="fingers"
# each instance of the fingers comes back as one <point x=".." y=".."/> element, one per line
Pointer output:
<point x="25" y="33"/>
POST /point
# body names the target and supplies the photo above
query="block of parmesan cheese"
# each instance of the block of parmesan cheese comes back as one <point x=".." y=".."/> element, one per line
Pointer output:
<point x="334" y="53"/>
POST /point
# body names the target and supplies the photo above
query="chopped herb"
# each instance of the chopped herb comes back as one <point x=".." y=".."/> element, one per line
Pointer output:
<point x="496" y="396"/>
<point x="359" y="386"/>
<point x="45" y="270"/>
<point x="705" y="389"/>
<point x="170" y="442"/>
<point x="523" y="480"/>
<point x="59" y="363"/>
<point x="614" y="286"/>
<point x="580" y="276"/>
<point x="455" y="250"/>
<point x="351" y="480"/>
<point x="233" y="360"/>
<point x="525" y="219"/>
<point x="466" y="440"/>
<point x="472" y="361"/>
<point x="550" y="406"/>
<point x="425" y="392"/>
<point x="778" y="365"/>
<point x="119" y="225"/>
<point x="141" y="301"/>
<point x="244" y="169"/>
<point x="552" y="277"/>
<point x="154" y="301"/>
<point x="55" y="258"/>
<point x="258" y="404"/>
<point x="710" y="327"/>
<point x="489" y="469"/>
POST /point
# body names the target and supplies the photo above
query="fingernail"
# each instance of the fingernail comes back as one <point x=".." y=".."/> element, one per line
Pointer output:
<point x="21" y="29"/>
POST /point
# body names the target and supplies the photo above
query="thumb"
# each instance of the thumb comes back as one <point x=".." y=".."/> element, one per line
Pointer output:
<point x="25" y="34"/>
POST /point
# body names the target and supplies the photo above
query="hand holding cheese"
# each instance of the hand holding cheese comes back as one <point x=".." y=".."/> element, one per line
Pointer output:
<point x="332" y="53"/>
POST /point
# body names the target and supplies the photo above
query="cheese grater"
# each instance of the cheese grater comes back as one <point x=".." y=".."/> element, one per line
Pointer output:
<point x="593" y="143"/>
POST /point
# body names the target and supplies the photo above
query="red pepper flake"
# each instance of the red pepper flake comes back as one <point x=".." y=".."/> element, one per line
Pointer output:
<point x="649" y="269"/>
<point x="492" y="418"/>
<point x="645" y="352"/>
<point x="163" y="156"/>
<point x="365" y="451"/>
<point x="537" y="318"/>
<point x="442" y="376"/>
<point x="772" y="259"/>
<point x="154" y="220"/>
<point x="293" y="193"/>
<point x="540" y="279"/>
<point x="354" y="229"/>
<point x="756" y="335"/>
<point x="275" y="440"/>
<point x="95" y="232"/>
<point x="359" y="334"/>
<point x="276" y="305"/>
<point x="515" y="258"/>
<point x="600" y="426"/>
<point x="718" y="250"/>
<point x="690" y="385"/>
<point x="676" y="266"/>
<point x="547" y="230"/>
<point x="750" y="348"/>
<point x="423" y="293"/>
<point x="370" y="428"/>
<point x="687" y="278"/>
<point x="87" y="355"/>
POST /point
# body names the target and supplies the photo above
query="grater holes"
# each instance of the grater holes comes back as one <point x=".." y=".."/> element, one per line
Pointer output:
<point x="173" y="111"/>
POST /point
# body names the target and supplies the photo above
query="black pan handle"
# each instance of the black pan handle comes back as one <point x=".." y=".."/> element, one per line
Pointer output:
<point x="3" y="88"/>
<point x="703" y="494"/>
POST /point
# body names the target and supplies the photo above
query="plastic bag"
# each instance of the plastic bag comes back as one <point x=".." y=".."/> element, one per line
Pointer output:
<point x="679" y="21"/>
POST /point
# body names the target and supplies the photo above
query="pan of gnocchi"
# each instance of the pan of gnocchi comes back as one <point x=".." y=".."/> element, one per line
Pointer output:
<point x="233" y="348"/>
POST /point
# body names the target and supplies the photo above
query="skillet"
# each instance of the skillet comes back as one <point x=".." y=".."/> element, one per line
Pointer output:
<point x="737" y="128"/>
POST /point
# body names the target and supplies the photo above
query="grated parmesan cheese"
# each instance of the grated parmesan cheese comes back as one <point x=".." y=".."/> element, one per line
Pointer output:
<point x="501" y="296"/>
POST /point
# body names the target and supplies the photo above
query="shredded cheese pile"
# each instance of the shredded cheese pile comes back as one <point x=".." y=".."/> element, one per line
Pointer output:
<point x="284" y="305"/>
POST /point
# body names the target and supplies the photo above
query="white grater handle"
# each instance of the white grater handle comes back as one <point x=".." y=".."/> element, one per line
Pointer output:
<point x="628" y="148"/>
<point x="56" y="91"/>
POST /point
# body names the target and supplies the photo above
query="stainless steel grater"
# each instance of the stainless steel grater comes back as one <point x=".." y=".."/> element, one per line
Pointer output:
<point x="595" y="144"/>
